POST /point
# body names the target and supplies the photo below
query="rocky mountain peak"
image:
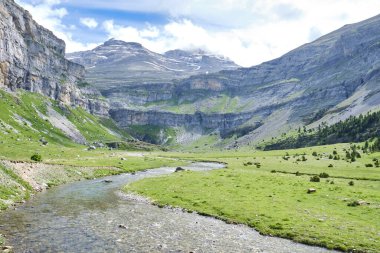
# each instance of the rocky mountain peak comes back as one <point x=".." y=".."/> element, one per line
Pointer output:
<point x="115" y="42"/>
<point x="132" y="62"/>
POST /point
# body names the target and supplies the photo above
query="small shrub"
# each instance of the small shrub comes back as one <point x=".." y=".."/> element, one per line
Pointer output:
<point x="330" y="165"/>
<point x="331" y="157"/>
<point x="354" y="203"/>
<point x="369" y="165"/>
<point x="315" y="153"/>
<point x="36" y="158"/>
<point x="315" y="179"/>
<point x="298" y="173"/>
<point x="323" y="175"/>
<point x="304" y="158"/>
<point x="351" y="183"/>
<point x="273" y="171"/>
<point x="334" y="152"/>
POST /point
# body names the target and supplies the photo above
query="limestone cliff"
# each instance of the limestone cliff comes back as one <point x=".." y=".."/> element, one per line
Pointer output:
<point x="33" y="58"/>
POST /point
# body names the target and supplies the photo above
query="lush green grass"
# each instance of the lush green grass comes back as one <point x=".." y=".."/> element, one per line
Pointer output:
<point x="24" y="122"/>
<point x="277" y="203"/>
<point x="15" y="190"/>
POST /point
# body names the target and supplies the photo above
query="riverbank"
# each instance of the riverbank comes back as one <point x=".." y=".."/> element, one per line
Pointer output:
<point x="20" y="180"/>
<point x="338" y="213"/>
<point x="88" y="216"/>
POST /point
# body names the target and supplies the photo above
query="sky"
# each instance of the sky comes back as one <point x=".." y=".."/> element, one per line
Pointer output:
<point x="248" y="32"/>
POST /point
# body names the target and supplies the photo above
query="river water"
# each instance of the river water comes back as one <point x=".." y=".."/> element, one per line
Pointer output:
<point x="90" y="216"/>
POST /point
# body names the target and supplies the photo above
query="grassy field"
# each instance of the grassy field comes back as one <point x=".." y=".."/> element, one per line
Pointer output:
<point x="25" y="126"/>
<point x="265" y="190"/>
<point x="268" y="192"/>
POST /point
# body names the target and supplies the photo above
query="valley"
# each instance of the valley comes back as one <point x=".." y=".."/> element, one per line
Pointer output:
<point x="120" y="148"/>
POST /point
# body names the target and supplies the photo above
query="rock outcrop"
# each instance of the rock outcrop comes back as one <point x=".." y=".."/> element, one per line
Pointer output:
<point x="33" y="58"/>
<point x="197" y="121"/>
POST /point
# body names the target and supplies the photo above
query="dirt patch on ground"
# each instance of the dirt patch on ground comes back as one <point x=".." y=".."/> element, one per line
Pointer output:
<point x="41" y="176"/>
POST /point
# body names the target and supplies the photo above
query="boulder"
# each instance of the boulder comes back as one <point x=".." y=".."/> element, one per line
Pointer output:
<point x="178" y="169"/>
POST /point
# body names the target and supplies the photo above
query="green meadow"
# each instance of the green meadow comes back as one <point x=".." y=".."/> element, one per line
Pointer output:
<point x="268" y="192"/>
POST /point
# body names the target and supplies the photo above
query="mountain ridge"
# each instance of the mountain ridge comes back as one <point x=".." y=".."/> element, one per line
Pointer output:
<point x="337" y="73"/>
<point x="118" y="63"/>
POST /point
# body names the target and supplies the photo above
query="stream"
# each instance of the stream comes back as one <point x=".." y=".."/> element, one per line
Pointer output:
<point x="90" y="216"/>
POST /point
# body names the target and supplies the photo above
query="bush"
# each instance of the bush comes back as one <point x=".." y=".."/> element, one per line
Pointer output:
<point x="369" y="165"/>
<point x="330" y="165"/>
<point x="323" y="175"/>
<point x="351" y="183"/>
<point x="315" y="153"/>
<point x="315" y="179"/>
<point x="304" y="158"/>
<point x="354" y="203"/>
<point x="36" y="158"/>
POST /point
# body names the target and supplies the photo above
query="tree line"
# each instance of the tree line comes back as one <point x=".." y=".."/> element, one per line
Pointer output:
<point x="354" y="129"/>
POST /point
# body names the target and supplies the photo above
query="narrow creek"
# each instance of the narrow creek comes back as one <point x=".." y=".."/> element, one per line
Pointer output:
<point x="86" y="217"/>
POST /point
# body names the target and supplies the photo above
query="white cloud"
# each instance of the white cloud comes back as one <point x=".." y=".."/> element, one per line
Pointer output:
<point x="89" y="22"/>
<point x="247" y="31"/>
<point x="47" y="15"/>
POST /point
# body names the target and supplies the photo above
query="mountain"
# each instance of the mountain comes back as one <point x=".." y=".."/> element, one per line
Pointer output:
<point x="327" y="80"/>
<point x="33" y="58"/>
<point x="117" y="63"/>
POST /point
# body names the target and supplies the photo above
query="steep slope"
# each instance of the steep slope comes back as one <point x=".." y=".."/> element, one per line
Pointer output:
<point x="39" y="95"/>
<point x="333" y="77"/>
<point x="33" y="58"/>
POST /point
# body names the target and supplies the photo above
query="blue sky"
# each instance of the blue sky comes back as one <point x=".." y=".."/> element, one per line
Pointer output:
<point x="247" y="31"/>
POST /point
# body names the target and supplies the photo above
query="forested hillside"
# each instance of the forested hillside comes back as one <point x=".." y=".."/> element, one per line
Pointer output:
<point x="354" y="129"/>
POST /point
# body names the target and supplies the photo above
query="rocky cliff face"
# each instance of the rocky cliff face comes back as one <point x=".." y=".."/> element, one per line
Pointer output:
<point x="33" y="58"/>
<point x="197" y="121"/>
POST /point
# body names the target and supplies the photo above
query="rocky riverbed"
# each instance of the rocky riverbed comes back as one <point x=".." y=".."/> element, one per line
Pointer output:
<point x="90" y="216"/>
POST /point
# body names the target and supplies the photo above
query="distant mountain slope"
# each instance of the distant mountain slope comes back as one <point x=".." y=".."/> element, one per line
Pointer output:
<point x="327" y="80"/>
<point x="336" y="76"/>
<point x="117" y="63"/>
